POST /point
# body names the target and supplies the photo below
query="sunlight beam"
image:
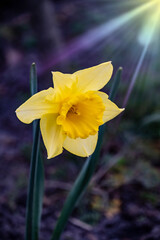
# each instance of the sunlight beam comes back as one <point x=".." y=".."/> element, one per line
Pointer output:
<point x="148" y="39"/>
<point x="91" y="38"/>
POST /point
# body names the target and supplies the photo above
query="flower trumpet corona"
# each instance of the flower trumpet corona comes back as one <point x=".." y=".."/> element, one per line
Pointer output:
<point x="70" y="113"/>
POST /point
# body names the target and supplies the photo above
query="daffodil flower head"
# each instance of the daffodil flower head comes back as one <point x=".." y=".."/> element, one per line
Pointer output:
<point x="70" y="113"/>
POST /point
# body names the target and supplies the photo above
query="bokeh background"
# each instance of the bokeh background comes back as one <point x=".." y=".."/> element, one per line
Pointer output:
<point x="123" y="199"/>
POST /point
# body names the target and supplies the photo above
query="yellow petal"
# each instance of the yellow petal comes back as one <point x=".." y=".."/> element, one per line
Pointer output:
<point x="81" y="147"/>
<point x="52" y="135"/>
<point x="36" y="106"/>
<point x="111" y="109"/>
<point x="61" y="80"/>
<point x="94" y="78"/>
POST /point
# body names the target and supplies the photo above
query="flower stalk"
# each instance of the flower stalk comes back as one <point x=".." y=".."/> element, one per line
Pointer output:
<point x="36" y="177"/>
<point x="86" y="173"/>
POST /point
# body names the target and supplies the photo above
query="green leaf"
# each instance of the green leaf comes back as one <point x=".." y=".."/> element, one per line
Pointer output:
<point x="36" y="178"/>
<point x="85" y="175"/>
<point x="38" y="197"/>
<point x="151" y="119"/>
<point x="33" y="79"/>
<point x="115" y="84"/>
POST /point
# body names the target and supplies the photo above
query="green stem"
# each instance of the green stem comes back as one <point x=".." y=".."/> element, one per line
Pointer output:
<point x="36" y="176"/>
<point x="78" y="188"/>
<point x="34" y="159"/>
<point x="85" y="175"/>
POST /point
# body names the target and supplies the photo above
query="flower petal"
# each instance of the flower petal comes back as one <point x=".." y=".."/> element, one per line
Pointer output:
<point x="81" y="147"/>
<point x="94" y="78"/>
<point x="61" y="80"/>
<point x="52" y="135"/>
<point x="111" y="109"/>
<point x="36" y="106"/>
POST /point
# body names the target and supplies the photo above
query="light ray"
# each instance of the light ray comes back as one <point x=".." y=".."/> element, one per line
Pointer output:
<point x="148" y="39"/>
<point x="94" y="36"/>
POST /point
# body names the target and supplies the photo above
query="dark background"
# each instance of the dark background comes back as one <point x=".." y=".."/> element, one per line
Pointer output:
<point x="123" y="199"/>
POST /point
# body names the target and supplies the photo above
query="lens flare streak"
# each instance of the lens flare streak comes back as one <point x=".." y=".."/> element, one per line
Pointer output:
<point x="153" y="23"/>
<point x="92" y="38"/>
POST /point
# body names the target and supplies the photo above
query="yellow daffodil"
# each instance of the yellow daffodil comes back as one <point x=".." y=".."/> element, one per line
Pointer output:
<point x="70" y="113"/>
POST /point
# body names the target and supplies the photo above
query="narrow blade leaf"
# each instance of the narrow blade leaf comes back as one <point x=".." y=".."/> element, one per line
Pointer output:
<point x="85" y="175"/>
<point x="36" y="178"/>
